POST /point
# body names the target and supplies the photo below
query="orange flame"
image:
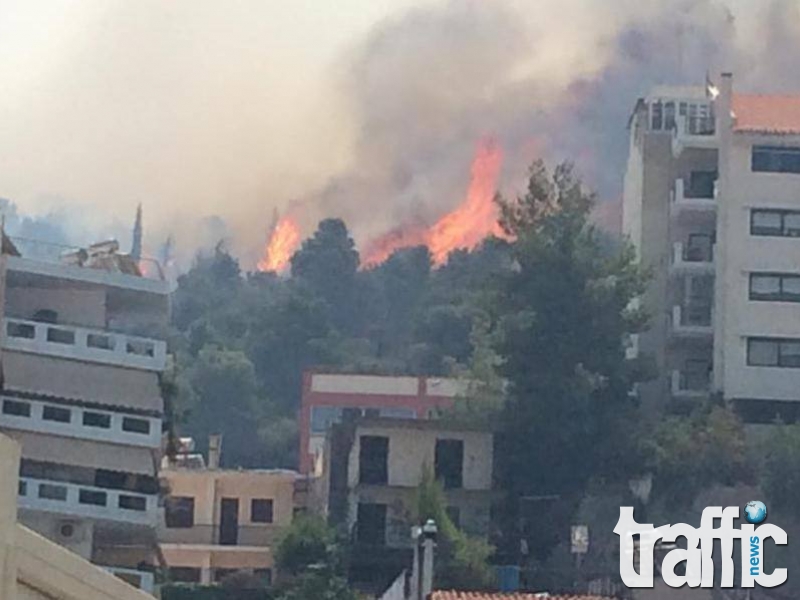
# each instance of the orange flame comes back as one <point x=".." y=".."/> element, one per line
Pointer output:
<point x="465" y="227"/>
<point x="283" y="241"/>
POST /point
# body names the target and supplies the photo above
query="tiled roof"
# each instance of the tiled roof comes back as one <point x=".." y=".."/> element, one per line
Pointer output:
<point x="767" y="114"/>
<point x="454" y="595"/>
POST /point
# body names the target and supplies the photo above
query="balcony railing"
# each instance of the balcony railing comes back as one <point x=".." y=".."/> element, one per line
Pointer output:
<point x="80" y="422"/>
<point x="692" y="320"/>
<point x="79" y="343"/>
<point x="88" y="501"/>
<point x="690" y="385"/>
<point x="139" y="579"/>
<point x="247" y="535"/>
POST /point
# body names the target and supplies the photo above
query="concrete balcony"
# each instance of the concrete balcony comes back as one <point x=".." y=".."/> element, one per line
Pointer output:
<point x="694" y="132"/>
<point x="87" y="501"/>
<point x="89" y="345"/>
<point x="691" y="261"/>
<point x="683" y="386"/>
<point x="686" y="201"/>
<point x="79" y="422"/>
<point x="139" y="579"/>
<point x="246" y="536"/>
<point x="691" y="322"/>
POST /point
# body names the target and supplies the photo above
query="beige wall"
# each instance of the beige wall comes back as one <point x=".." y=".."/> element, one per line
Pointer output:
<point x="104" y="384"/>
<point x="83" y="307"/>
<point x="412" y="447"/>
<point x="209" y="487"/>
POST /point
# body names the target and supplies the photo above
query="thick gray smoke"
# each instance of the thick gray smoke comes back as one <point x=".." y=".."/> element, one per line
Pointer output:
<point x="175" y="116"/>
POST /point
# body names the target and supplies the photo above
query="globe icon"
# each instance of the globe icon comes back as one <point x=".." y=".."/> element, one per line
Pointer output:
<point x="755" y="512"/>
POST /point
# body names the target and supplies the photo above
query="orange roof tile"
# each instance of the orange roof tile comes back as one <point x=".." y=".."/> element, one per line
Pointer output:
<point x="767" y="114"/>
<point x="455" y="595"/>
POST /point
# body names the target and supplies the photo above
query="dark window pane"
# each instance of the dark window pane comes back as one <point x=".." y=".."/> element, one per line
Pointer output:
<point x="701" y="184"/>
<point x="790" y="354"/>
<point x="17" y="409"/>
<point x="93" y="419"/>
<point x="449" y="462"/>
<point x="92" y="497"/>
<point x="100" y="341"/>
<point x="373" y="460"/>
<point x="135" y="425"/>
<point x="21" y="330"/>
<point x="762" y="353"/>
<point x="61" y="336"/>
<point x="261" y="510"/>
<point x="790" y="288"/>
<point x="56" y="413"/>
<point x="775" y="159"/>
<point x="179" y="512"/>
<point x="791" y="224"/>
<point x="22" y="488"/>
<point x="766" y="222"/>
<point x="133" y="503"/>
<point x="371" y="524"/>
<point x="51" y="491"/>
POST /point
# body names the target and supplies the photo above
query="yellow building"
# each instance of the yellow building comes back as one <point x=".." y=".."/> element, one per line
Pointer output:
<point x="34" y="568"/>
<point x="218" y="522"/>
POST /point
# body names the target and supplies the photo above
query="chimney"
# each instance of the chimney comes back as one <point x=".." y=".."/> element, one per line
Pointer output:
<point x="214" y="450"/>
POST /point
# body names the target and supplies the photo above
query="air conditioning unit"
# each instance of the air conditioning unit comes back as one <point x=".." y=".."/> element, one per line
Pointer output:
<point x="69" y="532"/>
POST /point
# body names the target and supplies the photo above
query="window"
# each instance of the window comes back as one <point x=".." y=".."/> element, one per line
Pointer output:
<point x="92" y="497"/>
<point x="373" y="460"/>
<point x="56" y="413"/>
<point x="16" y="409"/>
<point x="100" y="341"/>
<point x="138" y="503"/>
<point x="261" y="510"/>
<point x="776" y="287"/>
<point x="775" y="159"/>
<point x="700" y="247"/>
<point x="61" y="336"/>
<point x="93" y="419"/>
<point x="371" y="524"/>
<point x="397" y="413"/>
<point x="322" y="417"/>
<point x="773" y="352"/>
<point x="766" y="222"/>
<point x="701" y="184"/>
<point x="179" y="512"/>
<point x="135" y="425"/>
<point x="221" y="574"/>
<point x="49" y="491"/>
<point x="657" y="116"/>
<point x="20" y="330"/>
<point x="669" y="116"/>
<point x="449" y="462"/>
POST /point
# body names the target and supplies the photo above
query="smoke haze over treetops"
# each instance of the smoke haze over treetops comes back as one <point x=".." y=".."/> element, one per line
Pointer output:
<point x="213" y="114"/>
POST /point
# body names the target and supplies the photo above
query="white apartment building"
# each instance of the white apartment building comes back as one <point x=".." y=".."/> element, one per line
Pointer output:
<point x="81" y="352"/>
<point x="712" y="204"/>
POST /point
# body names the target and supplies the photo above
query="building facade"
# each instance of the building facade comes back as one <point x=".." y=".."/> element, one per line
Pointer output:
<point x="373" y="470"/>
<point x="221" y="522"/>
<point x="34" y="568"/>
<point x="327" y="398"/>
<point x="82" y="351"/>
<point x="710" y="202"/>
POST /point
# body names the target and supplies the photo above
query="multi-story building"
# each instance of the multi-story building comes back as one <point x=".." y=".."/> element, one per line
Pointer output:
<point x="220" y="522"/>
<point x="711" y="204"/>
<point x="373" y="471"/>
<point x="328" y="397"/>
<point x="82" y="351"/>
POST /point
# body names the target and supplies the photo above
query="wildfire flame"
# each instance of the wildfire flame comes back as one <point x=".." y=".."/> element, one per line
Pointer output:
<point x="464" y="227"/>
<point x="283" y="241"/>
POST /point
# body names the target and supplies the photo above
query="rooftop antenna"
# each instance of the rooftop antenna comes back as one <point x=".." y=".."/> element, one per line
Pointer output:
<point x="136" y="246"/>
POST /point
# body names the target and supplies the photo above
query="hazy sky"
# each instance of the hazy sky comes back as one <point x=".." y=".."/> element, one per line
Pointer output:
<point x="228" y="108"/>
